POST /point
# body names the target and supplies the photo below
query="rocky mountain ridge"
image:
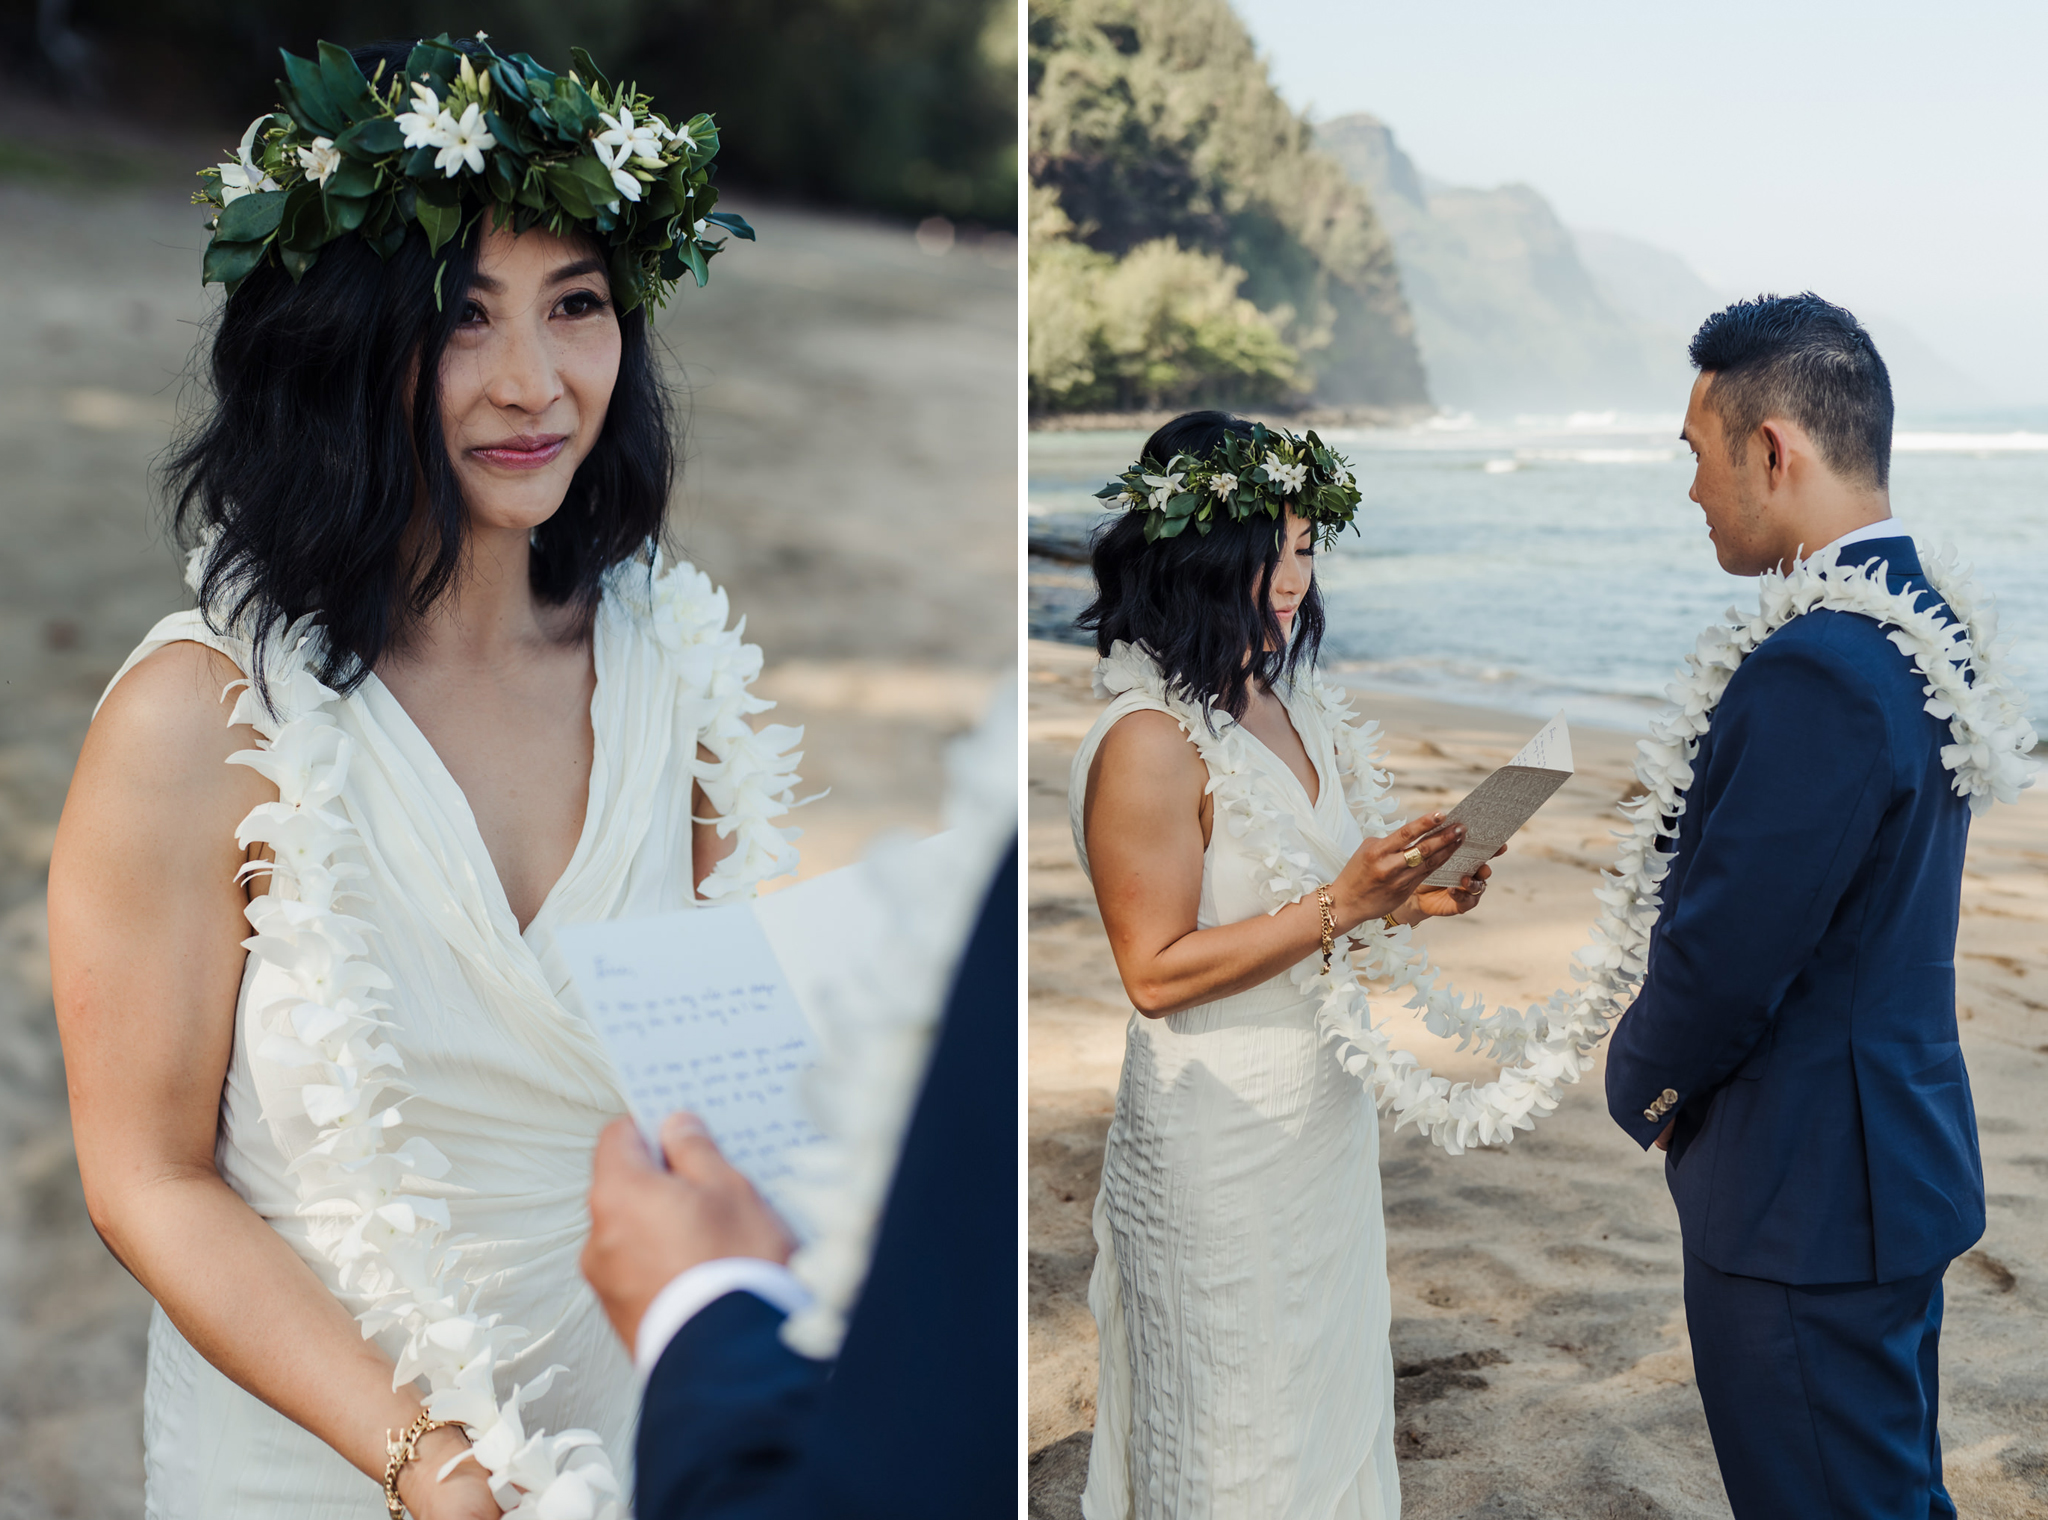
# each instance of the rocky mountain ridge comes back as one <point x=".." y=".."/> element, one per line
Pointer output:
<point x="1507" y="316"/>
<point x="1517" y="313"/>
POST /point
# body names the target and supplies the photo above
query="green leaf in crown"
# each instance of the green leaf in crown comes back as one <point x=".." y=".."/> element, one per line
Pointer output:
<point x="1263" y="474"/>
<point x="461" y="131"/>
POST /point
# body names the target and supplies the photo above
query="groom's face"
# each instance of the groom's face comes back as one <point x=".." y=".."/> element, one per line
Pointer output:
<point x="1730" y="494"/>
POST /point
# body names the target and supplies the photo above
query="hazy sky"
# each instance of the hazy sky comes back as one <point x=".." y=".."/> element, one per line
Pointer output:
<point x="1889" y="156"/>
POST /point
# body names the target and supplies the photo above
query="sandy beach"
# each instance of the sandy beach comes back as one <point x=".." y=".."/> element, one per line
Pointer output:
<point x="1542" y="1366"/>
<point x="850" y="478"/>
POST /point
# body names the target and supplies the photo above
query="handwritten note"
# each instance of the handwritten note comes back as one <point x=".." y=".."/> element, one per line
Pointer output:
<point x="1507" y="799"/>
<point x="698" y="1014"/>
<point x="1550" y="750"/>
<point x="705" y="1009"/>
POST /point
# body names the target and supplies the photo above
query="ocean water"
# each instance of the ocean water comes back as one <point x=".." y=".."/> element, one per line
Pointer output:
<point x="1558" y="564"/>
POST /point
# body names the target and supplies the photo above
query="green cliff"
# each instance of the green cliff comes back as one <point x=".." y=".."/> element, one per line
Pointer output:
<point x="1189" y="243"/>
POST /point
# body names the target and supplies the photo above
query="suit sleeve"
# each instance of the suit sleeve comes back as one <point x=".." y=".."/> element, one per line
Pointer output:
<point x="726" y="1414"/>
<point x="1797" y="784"/>
<point x="736" y="1427"/>
<point x="936" y="1329"/>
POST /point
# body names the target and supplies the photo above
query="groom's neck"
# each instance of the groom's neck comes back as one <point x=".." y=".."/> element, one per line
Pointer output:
<point x="1825" y="511"/>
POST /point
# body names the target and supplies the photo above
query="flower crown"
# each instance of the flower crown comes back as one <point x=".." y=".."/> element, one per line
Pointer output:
<point x="1269" y="471"/>
<point x="458" y="131"/>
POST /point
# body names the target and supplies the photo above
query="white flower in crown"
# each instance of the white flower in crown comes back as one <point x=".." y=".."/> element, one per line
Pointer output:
<point x="1164" y="487"/>
<point x="682" y="135"/>
<point x="467" y="142"/>
<point x="624" y="183"/>
<point x="1288" y="477"/>
<point x="628" y="139"/>
<point x="422" y="125"/>
<point x="1223" y="485"/>
<point x="243" y="177"/>
<point x="320" y="160"/>
<point x="461" y="142"/>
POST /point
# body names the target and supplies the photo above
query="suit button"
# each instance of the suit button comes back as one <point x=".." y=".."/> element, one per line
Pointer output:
<point x="1650" y="1114"/>
<point x="1668" y="1097"/>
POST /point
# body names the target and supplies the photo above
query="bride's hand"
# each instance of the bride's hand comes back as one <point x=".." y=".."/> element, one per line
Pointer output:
<point x="1449" y="902"/>
<point x="1379" y="878"/>
<point x="465" y="1494"/>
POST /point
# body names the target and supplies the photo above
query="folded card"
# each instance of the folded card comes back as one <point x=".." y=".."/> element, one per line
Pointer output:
<point x="1493" y="810"/>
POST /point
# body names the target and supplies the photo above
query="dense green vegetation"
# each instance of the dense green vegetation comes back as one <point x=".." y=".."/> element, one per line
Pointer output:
<point x="1162" y="326"/>
<point x="903" y="106"/>
<point x="1189" y="244"/>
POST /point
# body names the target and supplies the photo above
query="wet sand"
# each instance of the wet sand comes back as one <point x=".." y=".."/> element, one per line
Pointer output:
<point x="1543" y="1370"/>
<point x="850" y="479"/>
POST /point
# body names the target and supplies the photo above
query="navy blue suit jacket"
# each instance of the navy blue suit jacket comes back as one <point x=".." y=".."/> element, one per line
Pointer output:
<point x="1800" y="992"/>
<point x="918" y="1417"/>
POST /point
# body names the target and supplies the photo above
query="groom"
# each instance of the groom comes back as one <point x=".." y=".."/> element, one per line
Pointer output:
<point x="1793" y="1045"/>
<point x="917" y="1419"/>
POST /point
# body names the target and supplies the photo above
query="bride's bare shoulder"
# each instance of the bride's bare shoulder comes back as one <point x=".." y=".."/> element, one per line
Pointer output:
<point x="1147" y="736"/>
<point x="178" y="691"/>
<point x="163" y="732"/>
<point x="1148" y="751"/>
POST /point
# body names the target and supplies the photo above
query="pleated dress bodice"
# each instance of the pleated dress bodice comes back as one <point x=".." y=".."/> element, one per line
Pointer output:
<point x="507" y="1079"/>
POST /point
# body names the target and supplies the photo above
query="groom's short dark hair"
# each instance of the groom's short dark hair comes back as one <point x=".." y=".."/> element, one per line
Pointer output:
<point x="1806" y="360"/>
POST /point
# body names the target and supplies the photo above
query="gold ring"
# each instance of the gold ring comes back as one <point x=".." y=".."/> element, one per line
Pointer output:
<point x="1413" y="856"/>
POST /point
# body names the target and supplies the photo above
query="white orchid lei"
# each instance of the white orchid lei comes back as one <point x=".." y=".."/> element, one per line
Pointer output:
<point x="459" y="132"/>
<point x="1549" y="1044"/>
<point x="877" y="1035"/>
<point x="328" y="1031"/>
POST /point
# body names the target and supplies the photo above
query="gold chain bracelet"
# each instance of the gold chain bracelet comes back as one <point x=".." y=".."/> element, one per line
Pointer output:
<point x="398" y="1451"/>
<point x="1329" y="924"/>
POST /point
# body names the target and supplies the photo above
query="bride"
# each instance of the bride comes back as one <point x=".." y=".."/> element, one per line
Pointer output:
<point x="442" y="698"/>
<point x="1240" y="1286"/>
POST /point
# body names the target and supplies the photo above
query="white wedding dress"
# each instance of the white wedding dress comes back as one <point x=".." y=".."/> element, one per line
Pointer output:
<point x="1240" y="1283"/>
<point x="508" y="1080"/>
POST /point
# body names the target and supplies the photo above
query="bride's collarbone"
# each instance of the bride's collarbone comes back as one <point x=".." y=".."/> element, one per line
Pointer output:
<point x="520" y="747"/>
<point x="1267" y="719"/>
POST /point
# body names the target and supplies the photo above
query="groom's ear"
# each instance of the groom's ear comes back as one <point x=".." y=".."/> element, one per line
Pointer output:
<point x="1772" y="434"/>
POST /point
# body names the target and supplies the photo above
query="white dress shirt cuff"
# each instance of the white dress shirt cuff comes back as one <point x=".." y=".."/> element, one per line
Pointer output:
<point x="675" y="1305"/>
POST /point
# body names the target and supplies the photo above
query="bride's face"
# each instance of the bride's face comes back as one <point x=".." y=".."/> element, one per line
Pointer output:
<point x="528" y="375"/>
<point x="1295" y="573"/>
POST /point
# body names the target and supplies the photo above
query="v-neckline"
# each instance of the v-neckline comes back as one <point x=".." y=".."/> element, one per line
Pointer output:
<point x="466" y="817"/>
<point x="1315" y="764"/>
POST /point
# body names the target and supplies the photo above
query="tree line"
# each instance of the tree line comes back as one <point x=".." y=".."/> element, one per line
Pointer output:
<point x="906" y="107"/>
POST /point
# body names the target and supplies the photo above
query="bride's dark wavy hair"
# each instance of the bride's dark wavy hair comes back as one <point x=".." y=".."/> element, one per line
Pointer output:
<point x="308" y="463"/>
<point x="1201" y="603"/>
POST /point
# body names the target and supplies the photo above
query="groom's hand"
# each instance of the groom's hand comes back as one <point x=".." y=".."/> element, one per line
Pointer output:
<point x="648" y="1225"/>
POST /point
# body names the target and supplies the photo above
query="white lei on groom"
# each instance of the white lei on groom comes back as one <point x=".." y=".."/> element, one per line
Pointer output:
<point x="1967" y="685"/>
